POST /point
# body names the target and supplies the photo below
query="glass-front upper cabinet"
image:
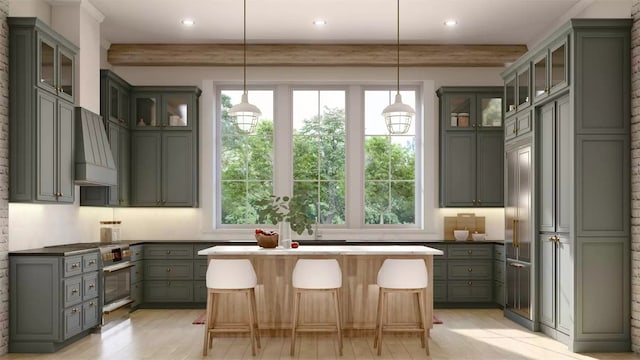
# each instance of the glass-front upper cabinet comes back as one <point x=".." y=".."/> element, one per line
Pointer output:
<point x="540" y="77"/>
<point x="510" y="95"/>
<point x="145" y="112"/>
<point x="489" y="111"/>
<point x="559" y="71"/>
<point x="458" y="108"/>
<point x="524" y="80"/>
<point x="176" y="110"/>
<point x="55" y="68"/>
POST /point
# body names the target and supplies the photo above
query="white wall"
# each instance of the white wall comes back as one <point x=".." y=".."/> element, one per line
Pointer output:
<point x="30" y="8"/>
<point x="149" y="224"/>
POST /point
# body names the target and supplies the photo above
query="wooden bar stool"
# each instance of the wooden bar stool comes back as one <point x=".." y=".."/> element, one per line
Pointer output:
<point x="227" y="277"/>
<point x="316" y="275"/>
<point x="402" y="276"/>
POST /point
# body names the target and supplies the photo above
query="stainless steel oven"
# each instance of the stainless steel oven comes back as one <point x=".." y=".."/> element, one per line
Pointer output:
<point x="116" y="277"/>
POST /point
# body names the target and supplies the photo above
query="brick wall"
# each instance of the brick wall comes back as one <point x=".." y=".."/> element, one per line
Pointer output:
<point x="4" y="177"/>
<point x="635" y="177"/>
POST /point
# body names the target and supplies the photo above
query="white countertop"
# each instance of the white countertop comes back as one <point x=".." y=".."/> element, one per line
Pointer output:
<point x="323" y="250"/>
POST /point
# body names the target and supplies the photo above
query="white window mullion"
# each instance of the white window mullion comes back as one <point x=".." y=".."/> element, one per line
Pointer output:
<point x="355" y="157"/>
<point x="283" y="142"/>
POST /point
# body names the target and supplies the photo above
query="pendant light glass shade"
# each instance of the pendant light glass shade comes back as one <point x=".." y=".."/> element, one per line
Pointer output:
<point x="398" y="116"/>
<point x="246" y="115"/>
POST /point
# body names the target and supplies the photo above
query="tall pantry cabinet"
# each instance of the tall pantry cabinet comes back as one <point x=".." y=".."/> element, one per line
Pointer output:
<point x="576" y="87"/>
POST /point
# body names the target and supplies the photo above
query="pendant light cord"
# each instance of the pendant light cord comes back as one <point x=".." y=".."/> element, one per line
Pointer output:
<point x="397" y="47"/>
<point x="244" y="46"/>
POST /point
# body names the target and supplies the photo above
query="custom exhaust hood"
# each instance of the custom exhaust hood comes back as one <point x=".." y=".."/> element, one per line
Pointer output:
<point x="94" y="165"/>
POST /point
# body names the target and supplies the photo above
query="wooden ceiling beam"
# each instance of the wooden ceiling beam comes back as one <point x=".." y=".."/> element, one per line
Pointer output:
<point x="313" y="55"/>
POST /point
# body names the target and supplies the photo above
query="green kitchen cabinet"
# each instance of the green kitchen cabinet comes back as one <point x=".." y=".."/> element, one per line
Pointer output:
<point x="163" y="169"/>
<point x="53" y="301"/>
<point x="164" y="148"/>
<point x="115" y="108"/>
<point x="137" y="275"/>
<point x="471" y="147"/>
<point x="577" y="270"/>
<point x="41" y="114"/>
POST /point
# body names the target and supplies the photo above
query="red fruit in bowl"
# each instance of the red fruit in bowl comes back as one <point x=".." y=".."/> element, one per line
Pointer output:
<point x="259" y="231"/>
<point x="294" y="244"/>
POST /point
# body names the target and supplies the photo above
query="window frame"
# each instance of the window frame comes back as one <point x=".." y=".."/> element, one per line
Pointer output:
<point x="355" y="152"/>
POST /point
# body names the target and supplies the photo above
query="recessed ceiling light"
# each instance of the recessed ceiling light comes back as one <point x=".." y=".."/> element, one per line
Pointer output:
<point x="188" y="22"/>
<point x="319" y="22"/>
<point x="451" y="23"/>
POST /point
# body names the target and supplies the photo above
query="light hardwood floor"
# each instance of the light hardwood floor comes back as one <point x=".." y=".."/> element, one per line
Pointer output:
<point x="465" y="334"/>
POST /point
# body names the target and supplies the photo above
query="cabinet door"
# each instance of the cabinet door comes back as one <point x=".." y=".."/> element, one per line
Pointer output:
<point x="145" y="168"/>
<point x="540" y="76"/>
<point x="564" y="276"/>
<point x="47" y="63"/>
<point x="66" y="154"/>
<point x="518" y="297"/>
<point x="458" y="110"/>
<point x="114" y="140"/>
<point x="524" y="87"/>
<point x="47" y="159"/>
<point x="563" y="166"/>
<point x="177" y="168"/>
<point x="113" y="99"/>
<point x="547" y="169"/>
<point x="124" y="101"/>
<point x="66" y="72"/>
<point x="489" y="112"/>
<point x="547" y="280"/>
<point x="558" y="72"/>
<point x="490" y="168"/>
<point x="459" y="179"/>
<point x="72" y="321"/>
<point x="90" y="314"/>
<point x="178" y="111"/>
<point x="124" y="162"/>
<point x="146" y="110"/>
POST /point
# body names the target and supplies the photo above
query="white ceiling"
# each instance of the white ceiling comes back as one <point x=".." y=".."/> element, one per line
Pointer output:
<point x="349" y="21"/>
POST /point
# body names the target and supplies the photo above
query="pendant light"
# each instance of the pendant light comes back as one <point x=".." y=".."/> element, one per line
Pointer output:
<point x="245" y="114"/>
<point x="398" y="116"/>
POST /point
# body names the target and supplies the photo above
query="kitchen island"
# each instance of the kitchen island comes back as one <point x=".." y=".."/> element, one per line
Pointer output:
<point x="359" y="293"/>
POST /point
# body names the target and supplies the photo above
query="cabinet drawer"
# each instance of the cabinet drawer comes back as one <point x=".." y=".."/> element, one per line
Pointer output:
<point x="72" y="321"/>
<point x="89" y="286"/>
<point x="481" y="251"/>
<point x="523" y="124"/>
<point x="441" y="247"/>
<point x="470" y="291"/>
<point x="439" y="270"/>
<point x="440" y="291"/>
<point x="72" y="265"/>
<point x="72" y="291"/>
<point x="468" y="269"/>
<point x="200" y="269"/>
<point x="498" y="270"/>
<point x="200" y="291"/>
<point x="498" y="252"/>
<point x="137" y="271"/>
<point x="498" y="292"/>
<point x="90" y="262"/>
<point x="137" y="294"/>
<point x="175" y="251"/>
<point x="168" y="291"/>
<point x="136" y="252"/>
<point x="90" y="314"/>
<point x="198" y="247"/>
<point x="168" y="270"/>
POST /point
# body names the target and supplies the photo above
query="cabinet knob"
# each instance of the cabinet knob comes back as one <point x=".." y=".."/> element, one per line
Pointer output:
<point x="551" y="238"/>
<point x="74" y="310"/>
<point x="168" y="269"/>
<point x="479" y="202"/>
<point x="43" y="80"/>
<point x="61" y="194"/>
<point x="168" y="252"/>
<point x="470" y="283"/>
<point x="75" y="266"/>
<point x="470" y="269"/>
<point x="92" y="262"/>
<point x="469" y="252"/>
<point x="92" y="304"/>
<point x="473" y="202"/>
<point x="74" y="291"/>
<point x="91" y="286"/>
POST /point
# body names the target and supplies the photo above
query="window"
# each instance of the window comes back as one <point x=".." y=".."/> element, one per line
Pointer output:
<point x="246" y="161"/>
<point x="319" y="152"/>
<point x="389" y="182"/>
<point x="340" y="157"/>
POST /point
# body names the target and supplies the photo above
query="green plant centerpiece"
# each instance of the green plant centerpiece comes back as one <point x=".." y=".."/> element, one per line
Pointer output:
<point x="294" y="210"/>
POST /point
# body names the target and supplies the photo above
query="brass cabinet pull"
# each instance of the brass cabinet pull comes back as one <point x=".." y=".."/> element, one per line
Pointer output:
<point x="168" y="252"/>
<point x="92" y="262"/>
<point x="92" y="304"/>
<point x="168" y="269"/>
<point x="74" y="291"/>
<point x="74" y="310"/>
<point x="75" y="265"/>
<point x="470" y="269"/>
<point x="91" y="286"/>
<point x="470" y="283"/>
<point x="552" y="238"/>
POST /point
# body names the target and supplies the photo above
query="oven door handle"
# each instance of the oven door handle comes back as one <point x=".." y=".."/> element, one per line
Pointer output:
<point x="113" y="268"/>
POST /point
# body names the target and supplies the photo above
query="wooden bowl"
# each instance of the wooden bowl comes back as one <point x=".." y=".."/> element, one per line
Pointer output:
<point x="267" y="241"/>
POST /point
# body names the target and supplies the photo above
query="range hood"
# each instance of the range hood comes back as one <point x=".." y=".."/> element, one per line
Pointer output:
<point x="94" y="163"/>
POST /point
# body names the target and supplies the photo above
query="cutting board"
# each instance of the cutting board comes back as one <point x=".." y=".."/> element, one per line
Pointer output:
<point x="463" y="221"/>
